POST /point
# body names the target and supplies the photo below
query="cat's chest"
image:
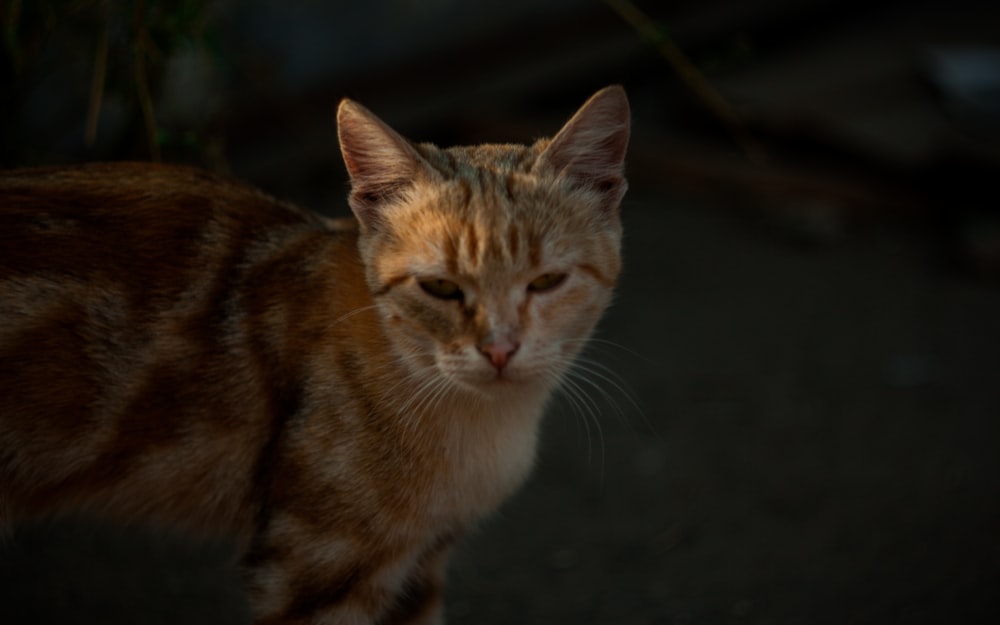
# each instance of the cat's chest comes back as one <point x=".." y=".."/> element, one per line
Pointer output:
<point x="487" y="457"/>
<point x="417" y="474"/>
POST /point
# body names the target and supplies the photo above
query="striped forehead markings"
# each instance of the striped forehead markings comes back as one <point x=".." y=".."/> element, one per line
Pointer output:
<point x="508" y="187"/>
<point x="598" y="275"/>
<point x="474" y="243"/>
<point x="451" y="254"/>
<point x="471" y="241"/>
<point x="513" y="239"/>
<point x="482" y="190"/>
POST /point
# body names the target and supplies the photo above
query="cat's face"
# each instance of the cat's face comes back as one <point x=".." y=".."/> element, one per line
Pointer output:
<point x="491" y="264"/>
<point x="493" y="289"/>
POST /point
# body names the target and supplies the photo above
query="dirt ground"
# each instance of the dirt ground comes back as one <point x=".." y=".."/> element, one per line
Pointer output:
<point x="788" y="436"/>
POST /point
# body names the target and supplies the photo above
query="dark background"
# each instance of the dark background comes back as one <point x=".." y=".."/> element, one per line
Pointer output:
<point x="803" y="419"/>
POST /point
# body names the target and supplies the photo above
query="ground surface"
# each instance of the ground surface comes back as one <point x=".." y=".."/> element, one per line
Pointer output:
<point x="817" y="443"/>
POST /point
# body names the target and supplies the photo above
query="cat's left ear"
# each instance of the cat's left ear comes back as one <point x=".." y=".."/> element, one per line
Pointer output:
<point x="590" y="149"/>
<point x="381" y="163"/>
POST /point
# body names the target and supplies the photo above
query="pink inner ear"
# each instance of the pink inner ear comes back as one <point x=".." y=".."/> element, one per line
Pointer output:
<point x="380" y="162"/>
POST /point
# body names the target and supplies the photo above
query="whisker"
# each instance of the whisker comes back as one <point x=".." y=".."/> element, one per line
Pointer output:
<point x="356" y="311"/>
<point x="611" y="378"/>
<point x="424" y="387"/>
<point x="574" y="406"/>
<point x="413" y="408"/>
<point x="600" y="342"/>
<point x="411" y="377"/>
<point x="590" y="413"/>
<point x="597" y="374"/>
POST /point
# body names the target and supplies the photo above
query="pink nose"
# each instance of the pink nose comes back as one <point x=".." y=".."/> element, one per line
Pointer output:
<point x="499" y="352"/>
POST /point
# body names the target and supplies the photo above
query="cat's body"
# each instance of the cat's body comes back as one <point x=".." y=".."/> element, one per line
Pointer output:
<point x="347" y="401"/>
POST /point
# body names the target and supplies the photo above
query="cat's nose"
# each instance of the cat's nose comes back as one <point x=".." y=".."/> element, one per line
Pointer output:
<point x="499" y="351"/>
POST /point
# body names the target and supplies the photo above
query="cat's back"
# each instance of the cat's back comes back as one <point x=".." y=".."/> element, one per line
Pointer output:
<point x="134" y="217"/>
<point x="153" y="241"/>
<point x="149" y="252"/>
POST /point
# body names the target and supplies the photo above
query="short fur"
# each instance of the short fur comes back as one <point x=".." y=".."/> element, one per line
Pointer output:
<point x="347" y="401"/>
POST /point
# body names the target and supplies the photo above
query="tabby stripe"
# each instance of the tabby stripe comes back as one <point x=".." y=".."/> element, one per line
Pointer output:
<point x="286" y="401"/>
<point x="525" y="160"/>
<point x="466" y="190"/>
<point x="451" y="255"/>
<point x="422" y="593"/>
<point x="513" y="240"/>
<point x="480" y="175"/>
<point x="508" y="187"/>
<point x="597" y="275"/>
<point x="390" y="284"/>
<point x="451" y="165"/>
<point x="471" y="243"/>
<point x="313" y="598"/>
<point x="420" y="596"/>
<point x="534" y="250"/>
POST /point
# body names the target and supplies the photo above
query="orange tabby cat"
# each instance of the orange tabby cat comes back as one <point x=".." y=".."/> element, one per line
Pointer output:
<point x="346" y="400"/>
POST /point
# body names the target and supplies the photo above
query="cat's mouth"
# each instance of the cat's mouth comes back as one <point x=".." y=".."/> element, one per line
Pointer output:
<point x="511" y="378"/>
<point x="502" y="377"/>
<point x="491" y="381"/>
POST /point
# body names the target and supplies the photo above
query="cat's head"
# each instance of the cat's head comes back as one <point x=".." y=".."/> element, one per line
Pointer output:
<point x="491" y="264"/>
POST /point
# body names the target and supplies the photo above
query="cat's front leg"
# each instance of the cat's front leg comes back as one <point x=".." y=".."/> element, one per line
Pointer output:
<point x="340" y="582"/>
<point x="293" y="579"/>
<point x="420" y="600"/>
<point x="344" y="602"/>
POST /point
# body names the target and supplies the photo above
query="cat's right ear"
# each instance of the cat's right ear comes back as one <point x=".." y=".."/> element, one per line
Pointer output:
<point x="380" y="162"/>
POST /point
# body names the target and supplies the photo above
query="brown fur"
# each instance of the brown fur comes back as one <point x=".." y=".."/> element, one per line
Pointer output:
<point x="179" y="348"/>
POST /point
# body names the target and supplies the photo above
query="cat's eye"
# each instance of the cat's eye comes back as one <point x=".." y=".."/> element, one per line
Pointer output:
<point x="441" y="289"/>
<point x="546" y="282"/>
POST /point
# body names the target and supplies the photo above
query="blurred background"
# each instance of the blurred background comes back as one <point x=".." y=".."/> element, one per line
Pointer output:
<point x="801" y="421"/>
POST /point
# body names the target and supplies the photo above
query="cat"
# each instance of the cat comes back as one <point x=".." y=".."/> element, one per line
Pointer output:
<point x="346" y="397"/>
